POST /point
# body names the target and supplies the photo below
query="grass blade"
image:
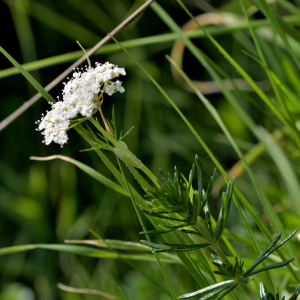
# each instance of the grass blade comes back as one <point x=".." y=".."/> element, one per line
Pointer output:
<point x="88" y="170"/>
<point x="162" y="38"/>
<point x="209" y="153"/>
<point x="84" y="251"/>
<point x="252" y="83"/>
<point x="170" y="22"/>
<point x="274" y="20"/>
<point x="37" y="86"/>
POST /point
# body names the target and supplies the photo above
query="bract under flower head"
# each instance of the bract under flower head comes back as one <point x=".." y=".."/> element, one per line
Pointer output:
<point x="80" y="96"/>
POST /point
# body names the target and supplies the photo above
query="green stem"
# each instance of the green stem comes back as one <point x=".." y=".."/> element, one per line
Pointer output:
<point x="205" y="251"/>
<point x="150" y="175"/>
<point x="119" y="145"/>
<point x="207" y="254"/>
<point x="148" y="238"/>
<point x="247" y="291"/>
<point x="79" y="122"/>
<point x="219" y="251"/>
<point x="244" y="287"/>
<point x="151" y="40"/>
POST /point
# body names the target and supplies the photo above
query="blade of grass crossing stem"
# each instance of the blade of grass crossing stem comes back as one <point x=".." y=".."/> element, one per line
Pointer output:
<point x="293" y="81"/>
<point x="255" y="244"/>
<point x="36" y="85"/>
<point x="275" y="221"/>
<point x="244" y="201"/>
<point x="252" y="83"/>
<point x="289" y="7"/>
<point x="148" y="238"/>
<point x="222" y="73"/>
<point x="117" y="144"/>
<point x="292" y="76"/>
<point x="183" y="257"/>
<point x="231" y="98"/>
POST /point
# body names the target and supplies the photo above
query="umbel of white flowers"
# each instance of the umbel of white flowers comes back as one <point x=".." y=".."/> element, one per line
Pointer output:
<point x="80" y="96"/>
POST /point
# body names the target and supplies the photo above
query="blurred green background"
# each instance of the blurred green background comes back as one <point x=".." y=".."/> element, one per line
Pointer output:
<point x="48" y="202"/>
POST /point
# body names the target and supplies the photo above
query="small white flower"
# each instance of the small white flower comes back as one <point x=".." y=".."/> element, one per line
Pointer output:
<point x="109" y="89"/>
<point x="76" y="74"/>
<point x="119" y="87"/>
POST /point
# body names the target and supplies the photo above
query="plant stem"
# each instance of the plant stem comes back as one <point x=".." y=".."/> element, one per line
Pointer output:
<point x="117" y="144"/>
<point x="247" y="291"/>
<point x="79" y="122"/>
<point x="150" y="175"/>
<point x="104" y="120"/>
<point x="244" y="287"/>
<point x="147" y="236"/>
<point x="219" y="251"/>
<point x="205" y="251"/>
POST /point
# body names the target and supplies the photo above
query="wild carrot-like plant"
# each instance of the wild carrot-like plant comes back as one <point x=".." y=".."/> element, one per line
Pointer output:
<point x="184" y="229"/>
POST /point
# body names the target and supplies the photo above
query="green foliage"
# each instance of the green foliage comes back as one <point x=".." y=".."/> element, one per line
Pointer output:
<point x="231" y="271"/>
<point x="268" y="251"/>
<point x="175" y="201"/>
<point x="265" y="295"/>
<point x="237" y="276"/>
<point x="43" y="205"/>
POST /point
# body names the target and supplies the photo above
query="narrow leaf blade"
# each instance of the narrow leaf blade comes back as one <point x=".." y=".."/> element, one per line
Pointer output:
<point x="36" y="85"/>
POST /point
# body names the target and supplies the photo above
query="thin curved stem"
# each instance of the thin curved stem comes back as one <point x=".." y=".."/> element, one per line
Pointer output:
<point x="104" y="120"/>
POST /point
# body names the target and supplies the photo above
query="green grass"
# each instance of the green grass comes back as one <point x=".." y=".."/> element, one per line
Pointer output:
<point x="252" y="135"/>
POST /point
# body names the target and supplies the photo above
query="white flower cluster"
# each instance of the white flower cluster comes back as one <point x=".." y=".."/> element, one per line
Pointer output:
<point x="80" y="96"/>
